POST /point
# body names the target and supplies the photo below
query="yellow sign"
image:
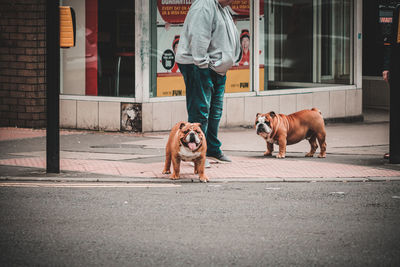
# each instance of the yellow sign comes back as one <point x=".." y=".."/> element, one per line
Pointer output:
<point x="67" y="27"/>
<point x="170" y="85"/>
<point x="237" y="81"/>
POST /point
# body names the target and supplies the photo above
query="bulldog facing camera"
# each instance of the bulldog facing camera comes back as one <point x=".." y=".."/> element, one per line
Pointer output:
<point x="186" y="142"/>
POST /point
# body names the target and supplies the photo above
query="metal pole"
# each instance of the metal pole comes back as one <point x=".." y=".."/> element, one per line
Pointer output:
<point x="394" y="72"/>
<point x="53" y="86"/>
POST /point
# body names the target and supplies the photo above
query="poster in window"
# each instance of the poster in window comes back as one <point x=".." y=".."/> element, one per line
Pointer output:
<point x="170" y="18"/>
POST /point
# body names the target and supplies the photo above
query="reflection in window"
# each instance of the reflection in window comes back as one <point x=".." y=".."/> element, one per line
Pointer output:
<point x="306" y="43"/>
<point x="102" y="62"/>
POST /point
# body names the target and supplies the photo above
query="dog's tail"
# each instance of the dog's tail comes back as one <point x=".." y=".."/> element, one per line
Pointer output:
<point x="317" y="110"/>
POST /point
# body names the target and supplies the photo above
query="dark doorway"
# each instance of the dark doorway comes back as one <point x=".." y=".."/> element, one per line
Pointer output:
<point x="294" y="24"/>
<point x="372" y="58"/>
<point x="116" y="47"/>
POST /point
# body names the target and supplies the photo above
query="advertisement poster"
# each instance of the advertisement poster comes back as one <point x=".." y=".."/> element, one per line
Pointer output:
<point x="170" y="18"/>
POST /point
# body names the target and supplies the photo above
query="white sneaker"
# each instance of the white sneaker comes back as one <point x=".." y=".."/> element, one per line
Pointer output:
<point x="206" y="164"/>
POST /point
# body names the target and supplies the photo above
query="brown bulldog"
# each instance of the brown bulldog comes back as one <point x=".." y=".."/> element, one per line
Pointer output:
<point x="287" y="130"/>
<point x="186" y="142"/>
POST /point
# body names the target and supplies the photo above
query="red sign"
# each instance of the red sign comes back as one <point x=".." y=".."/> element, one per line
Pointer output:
<point x="242" y="7"/>
<point x="174" y="11"/>
<point x="386" y="19"/>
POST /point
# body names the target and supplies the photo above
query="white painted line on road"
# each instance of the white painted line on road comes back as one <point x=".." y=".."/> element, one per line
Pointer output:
<point x="90" y="185"/>
<point x="337" y="193"/>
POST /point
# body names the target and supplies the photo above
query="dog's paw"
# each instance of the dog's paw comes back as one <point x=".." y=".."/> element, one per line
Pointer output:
<point x="322" y="156"/>
<point x="166" y="172"/>
<point x="280" y="156"/>
<point x="174" y="177"/>
<point x="267" y="154"/>
<point x="309" y="155"/>
<point x="203" y="179"/>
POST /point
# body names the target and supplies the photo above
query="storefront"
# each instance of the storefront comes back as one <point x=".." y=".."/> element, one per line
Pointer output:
<point x="122" y="75"/>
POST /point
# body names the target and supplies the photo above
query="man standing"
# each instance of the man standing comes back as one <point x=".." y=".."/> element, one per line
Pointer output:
<point x="391" y="74"/>
<point x="394" y="80"/>
<point x="209" y="45"/>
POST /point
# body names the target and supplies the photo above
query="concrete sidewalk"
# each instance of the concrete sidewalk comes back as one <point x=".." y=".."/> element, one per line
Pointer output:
<point x="354" y="153"/>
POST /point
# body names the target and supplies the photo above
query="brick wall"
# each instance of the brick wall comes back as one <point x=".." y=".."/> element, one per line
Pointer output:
<point x="22" y="63"/>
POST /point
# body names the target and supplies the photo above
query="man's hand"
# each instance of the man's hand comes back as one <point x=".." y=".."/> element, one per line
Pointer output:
<point x="385" y="75"/>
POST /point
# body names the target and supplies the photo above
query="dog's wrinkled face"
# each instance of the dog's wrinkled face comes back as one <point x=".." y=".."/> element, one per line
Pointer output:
<point x="191" y="135"/>
<point x="263" y="123"/>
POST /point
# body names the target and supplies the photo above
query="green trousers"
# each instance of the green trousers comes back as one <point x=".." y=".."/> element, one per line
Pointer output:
<point x="204" y="102"/>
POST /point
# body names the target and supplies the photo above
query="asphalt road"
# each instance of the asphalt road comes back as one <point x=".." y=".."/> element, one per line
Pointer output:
<point x="242" y="224"/>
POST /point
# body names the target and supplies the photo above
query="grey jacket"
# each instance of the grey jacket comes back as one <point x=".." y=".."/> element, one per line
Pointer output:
<point x="209" y="38"/>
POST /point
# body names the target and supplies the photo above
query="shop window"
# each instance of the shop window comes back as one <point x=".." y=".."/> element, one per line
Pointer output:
<point x="305" y="43"/>
<point x="102" y="62"/>
<point x="169" y="17"/>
